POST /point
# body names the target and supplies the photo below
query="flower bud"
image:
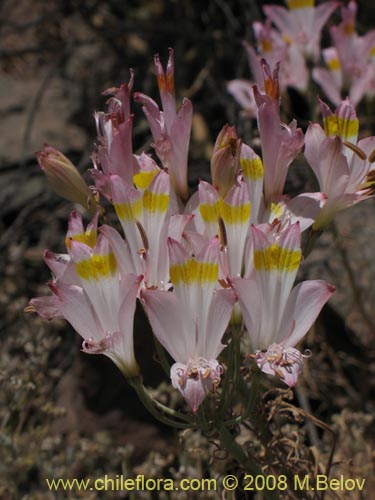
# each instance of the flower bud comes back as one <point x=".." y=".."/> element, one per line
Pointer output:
<point x="225" y="160"/>
<point x="64" y="178"/>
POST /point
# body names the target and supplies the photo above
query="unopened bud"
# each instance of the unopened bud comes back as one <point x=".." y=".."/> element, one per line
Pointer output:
<point x="64" y="178"/>
<point x="225" y="160"/>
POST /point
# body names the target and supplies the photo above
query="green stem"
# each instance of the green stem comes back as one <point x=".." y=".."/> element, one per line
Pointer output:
<point x="239" y="454"/>
<point x="255" y="419"/>
<point x="227" y="378"/>
<point x="251" y="396"/>
<point x="313" y="236"/>
<point x="156" y="409"/>
<point x="162" y="357"/>
<point x="232" y="374"/>
<point x="201" y="419"/>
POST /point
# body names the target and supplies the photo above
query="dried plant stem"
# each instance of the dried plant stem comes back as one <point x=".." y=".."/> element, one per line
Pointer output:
<point x="320" y="424"/>
<point x="305" y="404"/>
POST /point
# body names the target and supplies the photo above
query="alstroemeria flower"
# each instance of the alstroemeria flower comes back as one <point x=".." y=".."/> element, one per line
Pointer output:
<point x="284" y="362"/>
<point x="280" y="143"/>
<point x="170" y="130"/>
<point x="234" y="211"/>
<point x="302" y="208"/>
<point x="190" y="321"/>
<point x="349" y="62"/>
<point x="277" y="317"/>
<point x="340" y="163"/>
<point x="147" y="223"/>
<point x="94" y="296"/>
<point x="114" y="152"/>
<point x="61" y="265"/>
<point x="273" y="49"/>
<point x="302" y="23"/>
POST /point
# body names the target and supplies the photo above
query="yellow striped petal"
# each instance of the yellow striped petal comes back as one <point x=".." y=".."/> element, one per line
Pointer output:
<point x="155" y="202"/>
<point x="334" y="64"/>
<point x="129" y="211"/>
<point x="193" y="271"/>
<point x="143" y="179"/>
<point x="231" y="214"/>
<point x="336" y="125"/>
<point x="97" y="267"/>
<point x="234" y="214"/>
<point x="277" y="258"/>
<point x="209" y="213"/>
<point x="276" y="209"/>
<point x="253" y="168"/>
<point x="86" y="237"/>
<point x="300" y="4"/>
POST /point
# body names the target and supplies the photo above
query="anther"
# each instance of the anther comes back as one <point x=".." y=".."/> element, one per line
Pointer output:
<point x="143" y="234"/>
<point x="358" y="151"/>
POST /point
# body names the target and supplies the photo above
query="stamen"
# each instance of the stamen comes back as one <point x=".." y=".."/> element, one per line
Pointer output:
<point x="29" y="309"/>
<point x="278" y="373"/>
<point x="358" y="151"/>
<point x="143" y="234"/>
<point x="222" y="234"/>
<point x="224" y="283"/>
<point x="371" y="157"/>
<point x="369" y="183"/>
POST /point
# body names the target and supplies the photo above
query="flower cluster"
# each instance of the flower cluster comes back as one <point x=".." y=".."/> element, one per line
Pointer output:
<point x="228" y="254"/>
<point x="294" y="41"/>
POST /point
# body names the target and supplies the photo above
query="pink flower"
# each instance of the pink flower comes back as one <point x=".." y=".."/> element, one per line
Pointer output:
<point x="280" y="143"/>
<point x="114" y="152"/>
<point x="349" y="62"/>
<point x="302" y="23"/>
<point x="273" y="49"/>
<point x="341" y="164"/>
<point x="283" y="362"/>
<point x="234" y="213"/>
<point x="302" y="208"/>
<point x="253" y="172"/>
<point x="147" y="221"/>
<point x="277" y="317"/>
<point x="93" y="295"/>
<point x="170" y="130"/>
<point x="190" y="321"/>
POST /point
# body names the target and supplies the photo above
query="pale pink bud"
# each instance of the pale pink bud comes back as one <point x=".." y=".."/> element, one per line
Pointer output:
<point x="64" y="178"/>
<point x="225" y="160"/>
